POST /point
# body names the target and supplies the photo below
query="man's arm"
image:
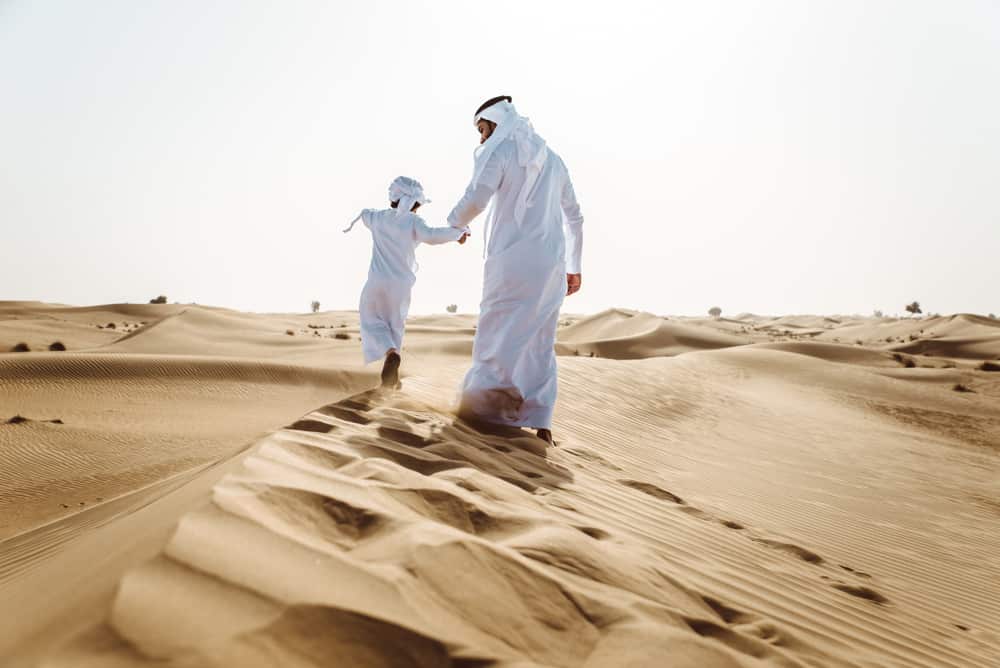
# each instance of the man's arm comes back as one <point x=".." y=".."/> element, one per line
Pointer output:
<point x="573" y="227"/>
<point x="477" y="195"/>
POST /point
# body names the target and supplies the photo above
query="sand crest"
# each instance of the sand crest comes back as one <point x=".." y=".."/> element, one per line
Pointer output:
<point x="784" y="499"/>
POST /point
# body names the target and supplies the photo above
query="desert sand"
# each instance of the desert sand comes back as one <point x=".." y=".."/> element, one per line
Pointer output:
<point x="197" y="486"/>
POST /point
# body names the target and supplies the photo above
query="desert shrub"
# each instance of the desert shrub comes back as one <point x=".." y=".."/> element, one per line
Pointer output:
<point x="110" y="325"/>
<point x="913" y="337"/>
<point x="451" y="308"/>
<point x="715" y="311"/>
<point x="993" y="316"/>
<point x="905" y="361"/>
<point x="290" y="332"/>
<point x="343" y="336"/>
<point x="858" y="342"/>
<point x="17" y="419"/>
<point x="58" y="345"/>
<point x="877" y="313"/>
<point x="913" y="308"/>
<point x="315" y="306"/>
<point x="162" y="299"/>
<point x="989" y="366"/>
<point x="21" y="348"/>
<point x="961" y="388"/>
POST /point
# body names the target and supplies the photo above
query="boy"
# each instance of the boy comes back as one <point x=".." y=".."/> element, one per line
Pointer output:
<point x="385" y="300"/>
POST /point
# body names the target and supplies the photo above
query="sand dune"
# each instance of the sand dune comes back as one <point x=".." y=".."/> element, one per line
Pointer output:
<point x="618" y="334"/>
<point x="722" y="495"/>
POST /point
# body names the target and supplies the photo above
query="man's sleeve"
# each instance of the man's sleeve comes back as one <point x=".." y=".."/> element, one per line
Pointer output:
<point x="573" y="226"/>
<point x="478" y="195"/>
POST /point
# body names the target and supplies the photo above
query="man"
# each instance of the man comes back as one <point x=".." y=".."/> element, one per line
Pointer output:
<point x="534" y="240"/>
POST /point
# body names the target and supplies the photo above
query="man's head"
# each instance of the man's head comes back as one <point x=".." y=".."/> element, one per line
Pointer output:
<point x="484" y="126"/>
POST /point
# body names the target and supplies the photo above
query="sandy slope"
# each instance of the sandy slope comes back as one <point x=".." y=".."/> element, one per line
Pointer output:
<point x="761" y="499"/>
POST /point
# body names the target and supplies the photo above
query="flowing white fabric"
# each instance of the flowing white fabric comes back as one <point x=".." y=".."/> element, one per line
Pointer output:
<point x="531" y="153"/>
<point x="536" y="240"/>
<point x="385" y="299"/>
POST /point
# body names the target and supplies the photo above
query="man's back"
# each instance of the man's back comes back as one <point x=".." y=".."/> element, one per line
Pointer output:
<point x="543" y="220"/>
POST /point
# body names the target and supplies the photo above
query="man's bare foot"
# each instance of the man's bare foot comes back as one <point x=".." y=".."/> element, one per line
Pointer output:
<point x="390" y="370"/>
<point x="545" y="435"/>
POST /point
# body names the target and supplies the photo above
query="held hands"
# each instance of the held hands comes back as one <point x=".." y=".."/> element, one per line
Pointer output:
<point x="573" y="283"/>
<point x="463" y="238"/>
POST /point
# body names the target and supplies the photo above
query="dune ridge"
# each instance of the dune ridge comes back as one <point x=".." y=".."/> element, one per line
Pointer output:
<point x="750" y="491"/>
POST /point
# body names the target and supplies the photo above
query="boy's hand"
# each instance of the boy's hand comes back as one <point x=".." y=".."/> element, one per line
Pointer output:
<point x="573" y="283"/>
<point x="463" y="238"/>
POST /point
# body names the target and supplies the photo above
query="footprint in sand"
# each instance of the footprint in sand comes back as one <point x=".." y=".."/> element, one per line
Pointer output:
<point x="866" y="593"/>
<point x="652" y="490"/>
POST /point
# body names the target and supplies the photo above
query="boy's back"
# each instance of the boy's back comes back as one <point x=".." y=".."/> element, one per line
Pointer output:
<point x="395" y="237"/>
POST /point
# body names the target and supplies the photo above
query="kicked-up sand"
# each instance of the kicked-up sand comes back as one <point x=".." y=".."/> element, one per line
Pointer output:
<point x="203" y="487"/>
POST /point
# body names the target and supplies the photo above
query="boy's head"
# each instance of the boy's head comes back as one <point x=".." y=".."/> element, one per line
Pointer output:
<point x="395" y="205"/>
<point x="406" y="194"/>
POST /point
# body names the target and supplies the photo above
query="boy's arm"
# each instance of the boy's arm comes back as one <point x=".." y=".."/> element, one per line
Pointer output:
<point x="423" y="233"/>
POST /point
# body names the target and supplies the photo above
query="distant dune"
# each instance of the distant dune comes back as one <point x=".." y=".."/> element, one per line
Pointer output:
<point x="202" y="487"/>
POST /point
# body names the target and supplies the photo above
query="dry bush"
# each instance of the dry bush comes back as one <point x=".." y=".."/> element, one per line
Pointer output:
<point x="21" y="348"/>
<point x="715" y="311"/>
<point x="961" y="388"/>
<point x="343" y="336"/>
<point x="315" y="306"/>
<point x="290" y="332"/>
<point x="905" y="361"/>
<point x="162" y="299"/>
<point x="989" y="366"/>
<point x="451" y="308"/>
<point x="57" y="346"/>
<point x="110" y="325"/>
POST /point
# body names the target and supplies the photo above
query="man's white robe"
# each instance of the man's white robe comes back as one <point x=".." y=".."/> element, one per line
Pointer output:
<point x="513" y="376"/>
<point x="385" y="299"/>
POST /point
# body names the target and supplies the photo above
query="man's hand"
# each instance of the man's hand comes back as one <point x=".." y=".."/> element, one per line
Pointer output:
<point x="573" y="283"/>
<point x="463" y="238"/>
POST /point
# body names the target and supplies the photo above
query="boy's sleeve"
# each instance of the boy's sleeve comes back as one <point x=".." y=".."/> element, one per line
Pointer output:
<point x="366" y="217"/>
<point x="423" y="233"/>
<point x="573" y="228"/>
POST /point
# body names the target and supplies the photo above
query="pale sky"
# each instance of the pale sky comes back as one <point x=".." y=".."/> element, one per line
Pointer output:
<point x="773" y="157"/>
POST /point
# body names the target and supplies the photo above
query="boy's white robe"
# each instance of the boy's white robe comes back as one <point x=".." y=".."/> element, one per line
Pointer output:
<point x="385" y="299"/>
<point x="513" y="376"/>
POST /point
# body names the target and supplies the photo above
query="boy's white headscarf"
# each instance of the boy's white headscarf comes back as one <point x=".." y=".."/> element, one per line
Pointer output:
<point x="406" y="192"/>
<point x="531" y="149"/>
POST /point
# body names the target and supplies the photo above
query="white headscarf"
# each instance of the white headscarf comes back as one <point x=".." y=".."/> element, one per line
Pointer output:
<point x="406" y="192"/>
<point x="531" y="149"/>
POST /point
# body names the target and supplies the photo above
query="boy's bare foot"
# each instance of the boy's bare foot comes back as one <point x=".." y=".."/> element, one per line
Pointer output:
<point x="390" y="370"/>
<point x="545" y="435"/>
